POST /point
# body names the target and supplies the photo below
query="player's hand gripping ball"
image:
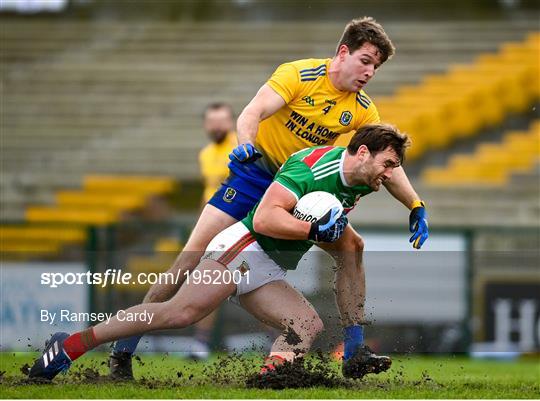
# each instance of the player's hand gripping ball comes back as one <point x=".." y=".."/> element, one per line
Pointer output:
<point x="329" y="231"/>
<point x="418" y="224"/>
<point x="325" y="213"/>
<point x="245" y="153"/>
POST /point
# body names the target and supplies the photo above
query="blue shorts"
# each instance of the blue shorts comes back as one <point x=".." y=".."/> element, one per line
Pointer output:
<point x="241" y="191"/>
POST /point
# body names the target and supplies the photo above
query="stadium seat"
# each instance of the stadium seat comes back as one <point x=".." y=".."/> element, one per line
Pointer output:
<point x="490" y="164"/>
<point x="129" y="184"/>
<point x="105" y="200"/>
<point x="168" y="244"/>
<point x="86" y="216"/>
<point x="116" y="201"/>
<point x="28" y="249"/>
<point x="41" y="233"/>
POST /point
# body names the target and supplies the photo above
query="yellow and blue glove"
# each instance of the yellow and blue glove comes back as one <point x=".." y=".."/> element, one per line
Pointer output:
<point x="418" y="224"/>
<point x="245" y="153"/>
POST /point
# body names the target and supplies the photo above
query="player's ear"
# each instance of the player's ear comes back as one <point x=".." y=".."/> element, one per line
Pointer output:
<point x="362" y="152"/>
<point x="343" y="50"/>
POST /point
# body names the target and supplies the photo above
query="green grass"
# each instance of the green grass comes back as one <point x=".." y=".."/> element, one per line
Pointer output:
<point x="410" y="377"/>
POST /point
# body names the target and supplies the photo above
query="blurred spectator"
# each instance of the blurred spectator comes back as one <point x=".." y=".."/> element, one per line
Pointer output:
<point x="214" y="157"/>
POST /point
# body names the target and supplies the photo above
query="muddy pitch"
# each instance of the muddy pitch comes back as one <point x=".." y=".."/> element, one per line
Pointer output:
<point x="227" y="371"/>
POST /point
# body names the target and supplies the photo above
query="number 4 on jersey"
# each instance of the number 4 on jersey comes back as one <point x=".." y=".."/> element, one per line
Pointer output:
<point x="327" y="108"/>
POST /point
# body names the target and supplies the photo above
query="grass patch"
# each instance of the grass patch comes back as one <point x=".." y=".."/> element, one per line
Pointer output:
<point x="166" y="376"/>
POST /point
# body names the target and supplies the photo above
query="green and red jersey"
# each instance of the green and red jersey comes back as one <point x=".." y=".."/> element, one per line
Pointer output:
<point x="308" y="170"/>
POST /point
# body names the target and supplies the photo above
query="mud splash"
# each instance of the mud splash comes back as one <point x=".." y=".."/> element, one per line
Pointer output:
<point x="301" y="373"/>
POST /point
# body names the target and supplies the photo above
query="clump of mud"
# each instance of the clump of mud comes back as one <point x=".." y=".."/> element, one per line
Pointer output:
<point x="25" y="369"/>
<point x="292" y="337"/>
<point x="300" y="373"/>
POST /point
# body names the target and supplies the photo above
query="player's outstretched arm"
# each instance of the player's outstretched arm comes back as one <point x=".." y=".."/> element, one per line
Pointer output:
<point x="400" y="187"/>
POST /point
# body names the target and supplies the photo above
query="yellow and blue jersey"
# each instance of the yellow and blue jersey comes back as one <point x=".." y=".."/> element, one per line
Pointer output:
<point x="316" y="113"/>
<point x="213" y="160"/>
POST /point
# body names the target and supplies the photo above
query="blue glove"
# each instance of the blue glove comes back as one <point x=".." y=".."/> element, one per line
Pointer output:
<point x="245" y="153"/>
<point x="328" y="228"/>
<point x="418" y="224"/>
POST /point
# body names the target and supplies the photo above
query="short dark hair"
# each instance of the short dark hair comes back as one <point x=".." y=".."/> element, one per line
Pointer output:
<point x="366" y="30"/>
<point x="377" y="137"/>
<point x="217" y="106"/>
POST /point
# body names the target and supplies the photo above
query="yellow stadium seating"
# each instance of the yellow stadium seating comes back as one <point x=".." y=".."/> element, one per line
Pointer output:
<point x="39" y="233"/>
<point x="467" y="98"/>
<point x="104" y="200"/>
<point x="154" y="263"/>
<point x="490" y="164"/>
<point x="115" y="201"/>
<point x="133" y="184"/>
<point x="30" y="248"/>
<point x="168" y="244"/>
<point x="27" y="241"/>
<point x="86" y="216"/>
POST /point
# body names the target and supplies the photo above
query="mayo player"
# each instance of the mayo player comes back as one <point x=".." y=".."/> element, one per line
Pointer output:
<point x="262" y="247"/>
<point x="305" y="103"/>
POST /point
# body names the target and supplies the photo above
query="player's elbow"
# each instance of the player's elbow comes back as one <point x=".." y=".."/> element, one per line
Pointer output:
<point x="260" y="223"/>
<point x="250" y="112"/>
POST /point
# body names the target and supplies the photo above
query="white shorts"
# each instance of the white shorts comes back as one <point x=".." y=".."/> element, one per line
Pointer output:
<point x="236" y="249"/>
